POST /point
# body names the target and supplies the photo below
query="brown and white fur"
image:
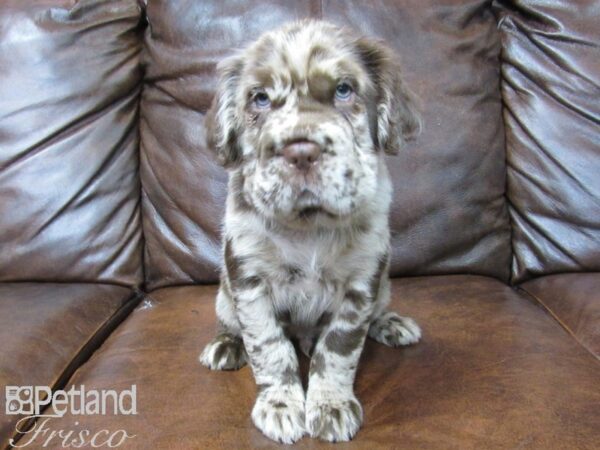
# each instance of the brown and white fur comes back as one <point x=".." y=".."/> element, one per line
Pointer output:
<point x="306" y="246"/>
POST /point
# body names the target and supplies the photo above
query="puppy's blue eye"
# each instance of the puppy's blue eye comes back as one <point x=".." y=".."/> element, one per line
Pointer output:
<point x="343" y="91"/>
<point x="262" y="100"/>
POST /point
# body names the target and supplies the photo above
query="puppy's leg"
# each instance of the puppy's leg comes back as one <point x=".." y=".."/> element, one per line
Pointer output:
<point x="333" y="413"/>
<point x="226" y="351"/>
<point x="279" y="408"/>
<point x="387" y="327"/>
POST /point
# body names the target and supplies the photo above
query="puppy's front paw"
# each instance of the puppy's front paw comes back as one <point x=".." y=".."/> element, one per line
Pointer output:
<point x="224" y="352"/>
<point x="279" y="413"/>
<point x="393" y="330"/>
<point x="333" y="416"/>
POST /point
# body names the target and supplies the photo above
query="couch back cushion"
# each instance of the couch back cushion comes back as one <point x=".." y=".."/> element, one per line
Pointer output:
<point x="449" y="213"/>
<point x="69" y="183"/>
<point x="551" y="91"/>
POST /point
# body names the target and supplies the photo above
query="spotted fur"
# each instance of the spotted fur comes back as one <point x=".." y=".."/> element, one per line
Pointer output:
<point x="306" y="254"/>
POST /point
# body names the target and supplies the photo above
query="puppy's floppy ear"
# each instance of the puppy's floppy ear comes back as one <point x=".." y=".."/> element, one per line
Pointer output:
<point x="222" y="122"/>
<point x="398" y="119"/>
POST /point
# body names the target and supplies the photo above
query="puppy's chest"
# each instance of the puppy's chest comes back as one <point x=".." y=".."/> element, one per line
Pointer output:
<point x="308" y="280"/>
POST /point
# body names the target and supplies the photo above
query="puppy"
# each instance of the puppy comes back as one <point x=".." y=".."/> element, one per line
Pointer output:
<point x="302" y="119"/>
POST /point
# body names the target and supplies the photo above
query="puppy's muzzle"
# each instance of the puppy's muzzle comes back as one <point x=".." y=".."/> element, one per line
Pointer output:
<point x="302" y="155"/>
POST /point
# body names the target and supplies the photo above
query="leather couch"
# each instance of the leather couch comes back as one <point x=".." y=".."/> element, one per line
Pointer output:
<point x="110" y="207"/>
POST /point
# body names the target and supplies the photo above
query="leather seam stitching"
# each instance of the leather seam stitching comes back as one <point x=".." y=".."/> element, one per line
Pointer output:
<point x="557" y="319"/>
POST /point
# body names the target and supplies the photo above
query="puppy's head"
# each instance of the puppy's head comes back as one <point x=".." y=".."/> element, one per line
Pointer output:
<point x="303" y="117"/>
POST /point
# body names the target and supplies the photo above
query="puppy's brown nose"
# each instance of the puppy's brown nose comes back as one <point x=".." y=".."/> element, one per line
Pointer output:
<point x="302" y="154"/>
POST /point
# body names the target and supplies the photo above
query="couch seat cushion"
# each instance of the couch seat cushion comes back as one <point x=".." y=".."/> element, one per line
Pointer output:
<point x="47" y="330"/>
<point x="493" y="371"/>
<point x="574" y="300"/>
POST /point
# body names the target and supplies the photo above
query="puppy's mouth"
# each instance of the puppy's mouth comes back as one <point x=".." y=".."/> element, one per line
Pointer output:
<point x="308" y="206"/>
<point x="312" y="212"/>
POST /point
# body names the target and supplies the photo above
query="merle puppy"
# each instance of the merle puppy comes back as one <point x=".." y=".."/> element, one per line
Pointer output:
<point x="302" y="119"/>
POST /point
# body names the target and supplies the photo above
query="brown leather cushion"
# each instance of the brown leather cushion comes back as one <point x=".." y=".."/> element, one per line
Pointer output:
<point x="493" y="371"/>
<point x="550" y="87"/>
<point x="449" y="213"/>
<point x="69" y="187"/>
<point x="574" y="300"/>
<point x="47" y="330"/>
